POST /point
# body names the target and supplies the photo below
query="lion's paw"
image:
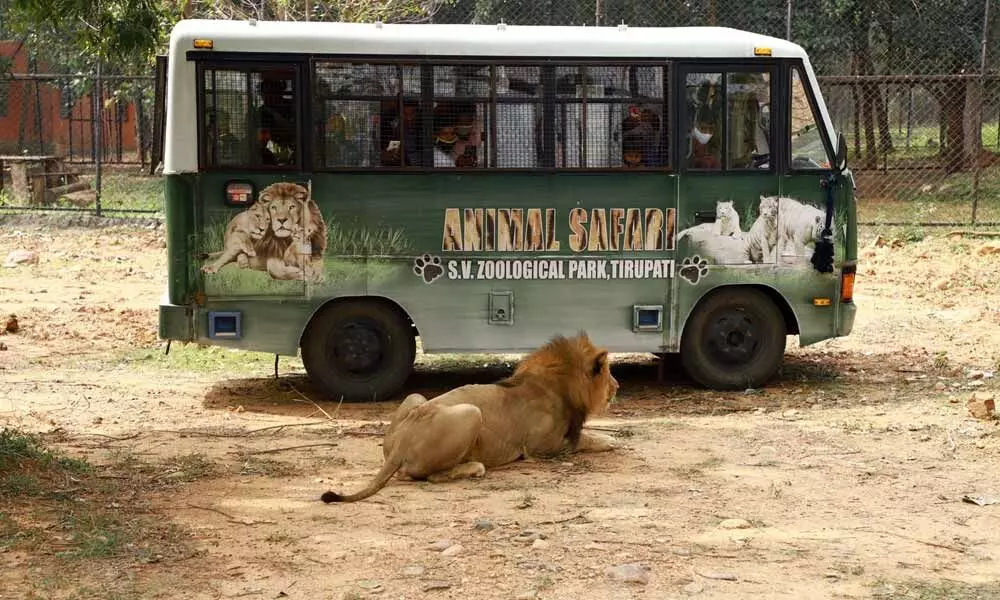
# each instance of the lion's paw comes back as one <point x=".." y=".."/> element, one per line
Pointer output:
<point x="242" y="261"/>
<point x="694" y="268"/>
<point x="428" y="268"/>
<point x="208" y="269"/>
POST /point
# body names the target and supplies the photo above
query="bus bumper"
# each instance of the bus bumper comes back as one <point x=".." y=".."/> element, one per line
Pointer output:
<point x="176" y="322"/>
<point x="845" y="324"/>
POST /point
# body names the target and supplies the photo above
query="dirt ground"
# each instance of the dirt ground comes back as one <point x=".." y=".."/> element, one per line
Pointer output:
<point x="844" y="478"/>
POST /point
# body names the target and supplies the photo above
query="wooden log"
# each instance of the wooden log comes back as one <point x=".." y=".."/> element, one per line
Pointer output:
<point x="53" y="194"/>
<point x="20" y="186"/>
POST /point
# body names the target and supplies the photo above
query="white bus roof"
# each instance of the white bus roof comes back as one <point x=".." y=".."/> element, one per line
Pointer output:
<point x="476" y="40"/>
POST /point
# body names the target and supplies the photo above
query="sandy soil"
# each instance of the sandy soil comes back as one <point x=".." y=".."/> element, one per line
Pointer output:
<point x="846" y="475"/>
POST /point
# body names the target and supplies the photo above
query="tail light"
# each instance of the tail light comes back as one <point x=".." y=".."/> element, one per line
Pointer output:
<point x="847" y="273"/>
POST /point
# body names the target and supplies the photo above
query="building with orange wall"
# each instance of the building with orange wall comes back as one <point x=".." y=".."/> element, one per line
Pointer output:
<point x="42" y="115"/>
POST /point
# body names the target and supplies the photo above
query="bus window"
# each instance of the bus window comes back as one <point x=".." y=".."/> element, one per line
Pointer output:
<point x="749" y="93"/>
<point x="807" y="147"/>
<point x="224" y="118"/>
<point x="610" y="116"/>
<point x="275" y="112"/>
<point x="249" y="117"/>
<point x="519" y="117"/>
<point x="705" y="115"/>
<point x="461" y="101"/>
<point x="366" y="115"/>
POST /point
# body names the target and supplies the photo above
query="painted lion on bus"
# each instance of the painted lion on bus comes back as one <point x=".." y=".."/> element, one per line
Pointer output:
<point x="283" y="233"/>
<point x="538" y="411"/>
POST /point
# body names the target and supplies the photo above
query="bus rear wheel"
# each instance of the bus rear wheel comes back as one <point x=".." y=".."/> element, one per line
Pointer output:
<point x="735" y="339"/>
<point x="359" y="351"/>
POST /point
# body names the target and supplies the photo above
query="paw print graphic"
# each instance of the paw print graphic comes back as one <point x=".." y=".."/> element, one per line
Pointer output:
<point x="693" y="268"/>
<point x="428" y="268"/>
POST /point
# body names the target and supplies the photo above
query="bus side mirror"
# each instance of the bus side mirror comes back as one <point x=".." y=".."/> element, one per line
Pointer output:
<point x="841" y="157"/>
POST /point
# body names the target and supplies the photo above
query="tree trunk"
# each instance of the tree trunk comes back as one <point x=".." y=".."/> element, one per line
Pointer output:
<point x="972" y="142"/>
<point x="953" y="106"/>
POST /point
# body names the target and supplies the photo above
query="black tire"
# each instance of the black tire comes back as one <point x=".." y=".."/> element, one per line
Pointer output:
<point x="734" y="340"/>
<point x="359" y="350"/>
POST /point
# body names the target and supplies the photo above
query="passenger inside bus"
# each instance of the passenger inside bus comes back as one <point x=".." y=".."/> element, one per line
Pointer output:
<point x="706" y="151"/>
<point x="401" y="135"/>
<point x="642" y="144"/>
<point x="457" y="135"/>
<point x="276" y="119"/>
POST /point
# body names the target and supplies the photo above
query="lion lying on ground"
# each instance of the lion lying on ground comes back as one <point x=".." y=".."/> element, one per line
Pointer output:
<point x="538" y="411"/>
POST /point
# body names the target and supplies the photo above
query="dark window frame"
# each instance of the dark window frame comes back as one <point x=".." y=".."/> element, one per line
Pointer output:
<point x="725" y="67"/>
<point x="786" y="138"/>
<point x="247" y="67"/>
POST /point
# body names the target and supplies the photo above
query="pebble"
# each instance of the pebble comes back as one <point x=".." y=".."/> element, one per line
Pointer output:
<point x="484" y="525"/>
<point x="435" y="585"/>
<point x="529" y="595"/>
<point x="413" y="571"/>
<point x="452" y="550"/>
<point x="629" y="573"/>
<point x="439" y="546"/>
<point x="735" y="524"/>
<point x="693" y="588"/>
<point x="539" y="544"/>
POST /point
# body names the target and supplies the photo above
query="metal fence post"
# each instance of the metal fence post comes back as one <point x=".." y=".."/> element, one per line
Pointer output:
<point x="977" y="167"/>
<point x="788" y="21"/>
<point x="98" y="135"/>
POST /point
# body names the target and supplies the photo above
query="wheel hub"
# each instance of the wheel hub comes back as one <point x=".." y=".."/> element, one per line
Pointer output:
<point x="734" y="338"/>
<point x="357" y="348"/>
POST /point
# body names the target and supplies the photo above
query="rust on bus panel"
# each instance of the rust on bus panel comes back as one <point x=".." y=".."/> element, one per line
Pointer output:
<point x="537" y="230"/>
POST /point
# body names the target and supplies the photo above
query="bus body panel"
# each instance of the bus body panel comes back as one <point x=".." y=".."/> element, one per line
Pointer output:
<point x="491" y="260"/>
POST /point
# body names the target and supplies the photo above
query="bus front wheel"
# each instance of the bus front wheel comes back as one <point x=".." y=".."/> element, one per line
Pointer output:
<point x="734" y="339"/>
<point x="359" y="351"/>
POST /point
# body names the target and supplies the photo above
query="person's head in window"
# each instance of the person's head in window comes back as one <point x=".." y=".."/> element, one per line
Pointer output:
<point x="456" y="135"/>
<point x="705" y="147"/>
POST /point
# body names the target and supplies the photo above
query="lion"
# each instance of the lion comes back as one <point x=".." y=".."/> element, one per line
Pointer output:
<point x="279" y="252"/>
<point x="538" y="411"/>
<point x="242" y="232"/>
<point x="308" y="254"/>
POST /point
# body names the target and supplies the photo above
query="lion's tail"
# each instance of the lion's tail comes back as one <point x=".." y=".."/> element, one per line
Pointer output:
<point x="389" y="469"/>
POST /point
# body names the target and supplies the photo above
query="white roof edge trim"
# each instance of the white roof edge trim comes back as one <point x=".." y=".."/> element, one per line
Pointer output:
<point x="324" y="37"/>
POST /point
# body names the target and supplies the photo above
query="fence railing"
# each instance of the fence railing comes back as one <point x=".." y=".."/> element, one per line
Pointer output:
<point x="915" y="89"/>
<point x="78" y="142"/>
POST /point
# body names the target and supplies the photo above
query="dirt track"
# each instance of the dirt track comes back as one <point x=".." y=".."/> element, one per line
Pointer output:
<point x="849" y="470"/>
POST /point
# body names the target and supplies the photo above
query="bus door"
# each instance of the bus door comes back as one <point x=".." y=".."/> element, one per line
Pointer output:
<point x="728" y="179"/>
<point x="806" y="173"/>
<point x="253" y="200"/>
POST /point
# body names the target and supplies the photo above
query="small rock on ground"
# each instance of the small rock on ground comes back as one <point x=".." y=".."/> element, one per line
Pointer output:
<point x="693" y="588"/>
<point x="735" y="524"/>
<point x="630" y="573"/>
<point x="439" y="546"/>
<point x="436" y="585"/>
<point x="484" y="525"/>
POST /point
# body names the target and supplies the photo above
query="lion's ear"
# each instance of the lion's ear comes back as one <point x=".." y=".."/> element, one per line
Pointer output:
<point x="599" y="361"/>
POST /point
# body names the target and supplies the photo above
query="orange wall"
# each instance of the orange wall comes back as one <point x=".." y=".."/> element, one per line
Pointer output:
<point x="22" y="106"/>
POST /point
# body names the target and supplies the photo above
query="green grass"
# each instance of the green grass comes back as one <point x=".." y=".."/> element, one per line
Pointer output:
<point x="209" y="359"/>
<point x="937" y="590"/>
<point x="916" y="198"/>
<point x="20" y="451"/>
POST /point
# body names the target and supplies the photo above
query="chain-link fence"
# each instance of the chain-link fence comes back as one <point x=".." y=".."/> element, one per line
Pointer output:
<point x="913" y="84"/>
<point x="77" y="142"/>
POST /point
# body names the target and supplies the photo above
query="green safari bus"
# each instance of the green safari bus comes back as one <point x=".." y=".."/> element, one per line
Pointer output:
<point x="342" y="189"/>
